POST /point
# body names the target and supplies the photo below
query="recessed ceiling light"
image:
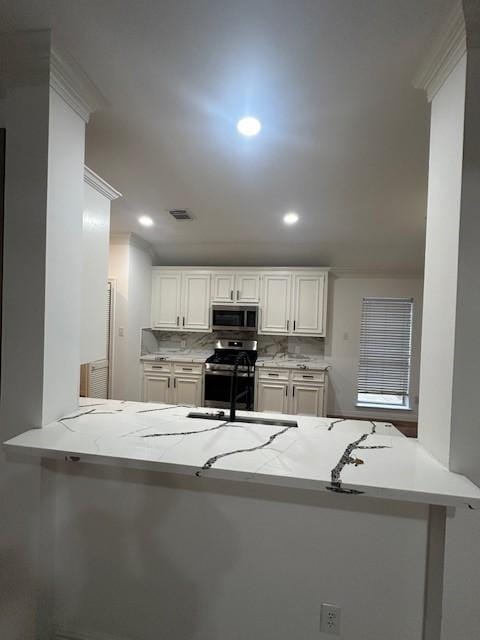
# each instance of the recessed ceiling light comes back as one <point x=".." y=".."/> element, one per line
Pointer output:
<point x="249" y="126"/>
<point x="290" y="218"/>
<point x="145" y="221"/>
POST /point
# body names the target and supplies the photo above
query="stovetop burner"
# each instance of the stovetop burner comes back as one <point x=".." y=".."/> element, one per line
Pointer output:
<point x="227" y="352"/>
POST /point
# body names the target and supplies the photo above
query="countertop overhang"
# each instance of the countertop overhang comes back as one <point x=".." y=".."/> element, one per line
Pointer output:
<point x="366" y="458"/>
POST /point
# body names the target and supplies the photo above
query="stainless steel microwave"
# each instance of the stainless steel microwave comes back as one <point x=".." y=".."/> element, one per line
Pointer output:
<point x="234" y="317"/>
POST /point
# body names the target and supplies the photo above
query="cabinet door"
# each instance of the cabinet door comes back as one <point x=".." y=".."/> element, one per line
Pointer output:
<point x="275" y="304"/>
<point x="156" y="388"/>
<point x="306" y="400"/>
<point x="272" y="396"/>
<point x="187" y="390"/>
<point x="308" y="304"/>
<point x="223" y="288"/>
<point x="196" y="301"/>
<point x="166" y="299"/>
<point x="247" y="288"/>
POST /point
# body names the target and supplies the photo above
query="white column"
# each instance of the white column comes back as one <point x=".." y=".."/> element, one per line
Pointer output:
<point x="46" y="102"/>
<point x="450" y="367"/>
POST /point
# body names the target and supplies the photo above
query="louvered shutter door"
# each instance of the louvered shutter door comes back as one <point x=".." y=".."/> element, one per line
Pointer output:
<point x="385" y="346"/>
<point x="98" y="379"/>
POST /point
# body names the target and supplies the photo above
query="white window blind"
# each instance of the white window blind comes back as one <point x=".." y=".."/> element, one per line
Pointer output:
<point x="385" y="347"/>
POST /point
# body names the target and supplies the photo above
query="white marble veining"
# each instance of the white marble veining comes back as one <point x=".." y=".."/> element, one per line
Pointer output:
<point x="376" y="460"/>
<point x="177" y="355"/>
<point x="287" y="361"/>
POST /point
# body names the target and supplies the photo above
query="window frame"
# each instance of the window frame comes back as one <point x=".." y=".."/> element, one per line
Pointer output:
<point x="381" y="404"/>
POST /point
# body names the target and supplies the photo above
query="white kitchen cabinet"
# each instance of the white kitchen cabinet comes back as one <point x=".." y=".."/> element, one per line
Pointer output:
<point x="173" y="383"/>
<point x="290" y="301"/>
<point x="247" y="288"/>
<point x="156" y="387"/>
<point x="272" y="396"/>
<point x="293" y="391"/>
<point x="187" y="390"/>
<point x="196" y="301"/>
<point x="275" y="303"/>
<point x="306" y="399"/>
<point x="308" y="308"/>
<point x="229" y="287"/>
<point x="223" y="287"/>
<point x="181" y="300"/>
<point x="166" y="299"/>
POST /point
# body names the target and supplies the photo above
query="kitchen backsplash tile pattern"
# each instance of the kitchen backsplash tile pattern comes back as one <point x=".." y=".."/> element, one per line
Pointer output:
<point x="154" y="341"/>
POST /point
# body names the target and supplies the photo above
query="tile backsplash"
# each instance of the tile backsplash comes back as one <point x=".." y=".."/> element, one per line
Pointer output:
<point x="154" y="341"/>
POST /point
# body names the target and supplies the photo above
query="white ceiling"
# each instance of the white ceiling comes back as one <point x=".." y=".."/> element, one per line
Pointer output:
<point x="344" y="140"/>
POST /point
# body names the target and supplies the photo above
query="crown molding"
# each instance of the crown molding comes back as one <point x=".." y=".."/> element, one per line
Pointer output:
<point x="69" y="80"/>
<point x="99" y="184"/>
<point x="356" y="272"/>
<point x="446" y="51"/>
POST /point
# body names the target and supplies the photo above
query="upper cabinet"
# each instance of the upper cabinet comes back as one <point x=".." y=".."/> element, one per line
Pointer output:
<point x="196" y="297"/>
<point x="294" y="303"/>
<point x="275" y="309"/>
<point x="309" y="304"/>
<point x="180" y="300"/>
<point x="166" y="299"/>
<point x="290" y="301"/>
<point x="230" y="287"/>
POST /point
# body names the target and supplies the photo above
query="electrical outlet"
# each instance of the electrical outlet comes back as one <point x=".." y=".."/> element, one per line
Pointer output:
<point x="330" y="619"/>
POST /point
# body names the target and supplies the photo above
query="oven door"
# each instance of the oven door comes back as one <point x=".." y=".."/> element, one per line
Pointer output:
<point x="217" y="389"/>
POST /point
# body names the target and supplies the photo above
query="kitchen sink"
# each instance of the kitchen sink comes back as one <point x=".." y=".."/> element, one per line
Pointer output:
<point x="224" y="415"/>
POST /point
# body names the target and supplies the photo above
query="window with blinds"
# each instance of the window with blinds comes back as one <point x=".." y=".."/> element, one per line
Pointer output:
<point x="385" y="352"/>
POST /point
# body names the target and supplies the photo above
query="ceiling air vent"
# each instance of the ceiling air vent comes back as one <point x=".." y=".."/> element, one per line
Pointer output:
<point x="181" y="214"/>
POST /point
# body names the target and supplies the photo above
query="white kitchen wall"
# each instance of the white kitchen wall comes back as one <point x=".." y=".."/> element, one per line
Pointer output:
<point x="130" y="266"/>
<point x="343" y="337"/>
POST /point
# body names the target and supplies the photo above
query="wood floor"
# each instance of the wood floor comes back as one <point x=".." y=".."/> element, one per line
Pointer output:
<point x="408" y="429"/>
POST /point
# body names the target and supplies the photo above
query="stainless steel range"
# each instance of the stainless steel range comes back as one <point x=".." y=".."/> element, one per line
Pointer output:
<point x="230" y="356"/>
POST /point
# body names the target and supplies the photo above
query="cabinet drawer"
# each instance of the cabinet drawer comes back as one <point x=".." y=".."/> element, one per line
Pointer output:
<point x="273" y="374"/>
<point x="308" y="376"/>
<point x="157" y="367"/>
<point x="188" y="368"/>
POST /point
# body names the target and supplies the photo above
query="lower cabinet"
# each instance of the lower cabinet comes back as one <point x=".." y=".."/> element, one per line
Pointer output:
<point x="291" y="391"/>
<point x="272" y="396"/>
<point x="173" y="383"/>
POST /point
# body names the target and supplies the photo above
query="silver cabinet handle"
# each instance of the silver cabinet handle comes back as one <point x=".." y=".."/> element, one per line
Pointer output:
<point x="238" y="295"/>
<point x="307" y="376"/>
<point x="286" y="391"/>
<point x="231" y="294"/>
<point x="183" y="321"/>
<point x="294" y="324"/>
<point x="272" y="374"/>
<point x="288" y="325"/>
<point x="178" y="320"/>
<point x="157" y="366"/>
<point x="168" y="386"/>
<point x="187" y="369"/>
<point x="293" y="391"/>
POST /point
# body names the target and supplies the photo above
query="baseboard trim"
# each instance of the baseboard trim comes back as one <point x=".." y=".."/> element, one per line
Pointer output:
<point x="61" y="633"/>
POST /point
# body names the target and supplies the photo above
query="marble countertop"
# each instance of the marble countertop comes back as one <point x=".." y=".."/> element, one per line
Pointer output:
<point x="177" y="355"/>
<point x="293" y="362"/>
<point x="283" y="361"/>
<point x="322" y="454"/>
